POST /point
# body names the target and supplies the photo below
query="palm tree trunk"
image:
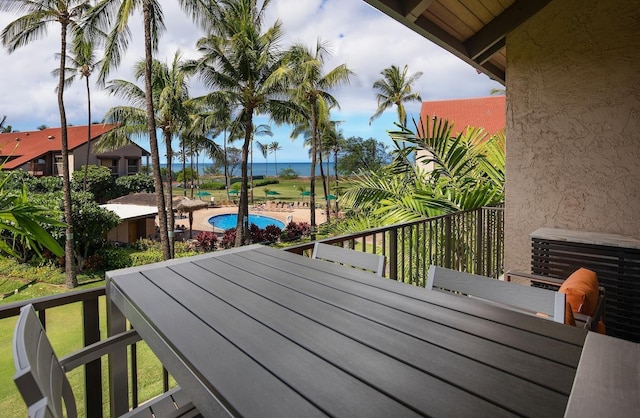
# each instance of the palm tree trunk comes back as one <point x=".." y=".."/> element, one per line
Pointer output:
<point x="69" y="265"/>
<point x="192" y="175"/>
<point x="86" y="162"/>
<point x="226" y="165"/>
<point x="184" y="166"/>
<point x="324" y="186"/>
<point x="242" y="226"/>
<point x="251" y="165"/>
<point x="312" y="185"/>
<point x="171" y="223"/>
<point x="335" y="169"/>
<point x="153" y="138"/>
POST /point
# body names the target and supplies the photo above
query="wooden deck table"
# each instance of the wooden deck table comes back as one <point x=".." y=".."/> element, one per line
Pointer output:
<point x="260" y="332"/>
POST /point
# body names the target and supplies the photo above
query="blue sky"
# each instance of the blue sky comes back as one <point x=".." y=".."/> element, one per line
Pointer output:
<point x="360" y="36"/>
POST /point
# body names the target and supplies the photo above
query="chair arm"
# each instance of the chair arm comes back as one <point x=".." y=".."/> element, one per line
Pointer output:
<point x="589" y="321"/>
<point x="96" y="350"/>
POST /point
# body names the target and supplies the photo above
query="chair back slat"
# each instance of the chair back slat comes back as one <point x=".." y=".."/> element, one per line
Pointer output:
<point x="39" y="375"/>
<point x="349" y="257"/>
<point x="511" y="295"/>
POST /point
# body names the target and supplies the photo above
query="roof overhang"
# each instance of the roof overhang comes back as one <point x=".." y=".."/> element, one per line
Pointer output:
<point x="471" y="30"/>
<point x="131" y="212"/>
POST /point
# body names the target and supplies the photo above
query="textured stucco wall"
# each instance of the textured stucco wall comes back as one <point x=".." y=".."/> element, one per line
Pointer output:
<point x="573" y="123"/>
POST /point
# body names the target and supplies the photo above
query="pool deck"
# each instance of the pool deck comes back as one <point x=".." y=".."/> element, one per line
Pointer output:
<point x="201" y="217"/>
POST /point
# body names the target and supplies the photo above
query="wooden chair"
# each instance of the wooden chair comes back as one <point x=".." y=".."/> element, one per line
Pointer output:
<point x="348" y="257"/>
<point x="530" y="300"/>
<point x="589" y="322"/>
<point x="43" y="384"/>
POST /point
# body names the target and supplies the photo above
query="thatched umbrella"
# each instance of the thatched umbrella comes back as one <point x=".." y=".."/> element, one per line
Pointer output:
<point x="141" y="199"/>
<point x="188" y="205"/>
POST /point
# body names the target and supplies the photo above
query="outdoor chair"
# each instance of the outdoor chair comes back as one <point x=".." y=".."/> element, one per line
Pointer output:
<point x="585" y="296"/>
<point x="349" y="257"/>
<point x="529" y="300"/>
<point x="43" y="384"/>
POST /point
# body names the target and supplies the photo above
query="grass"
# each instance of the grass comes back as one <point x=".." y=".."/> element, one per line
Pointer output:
<point x="288" y="189"/>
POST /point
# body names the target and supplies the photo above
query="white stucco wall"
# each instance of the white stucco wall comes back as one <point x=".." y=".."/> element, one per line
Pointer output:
<point x="573" y="123"/>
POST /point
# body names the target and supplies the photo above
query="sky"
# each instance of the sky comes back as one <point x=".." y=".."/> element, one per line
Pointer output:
<point x="360" y="36"/>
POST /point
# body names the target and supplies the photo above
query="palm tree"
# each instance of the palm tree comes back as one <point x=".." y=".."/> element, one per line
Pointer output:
<point x="112" y="17"/>
<point x="310" y="90"/>
<point x="82" y="62"/>
<point x="332" y="140"/>
<point x="211" y="122"/>
<point x="170" y="94"/>
<point x="395" y="89"/>
<point x="36" y="17"/>
<point x="5" y="128"/>
<point x="264" y="150"/>
<point x="239" y="63"/>
<point x="259" y="130"/>
<point x="275" y="147"/>
<point x="468" y="173"/>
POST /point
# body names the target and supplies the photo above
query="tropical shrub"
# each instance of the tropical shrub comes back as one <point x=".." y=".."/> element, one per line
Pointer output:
<point x="211" y="185"/>
<point x="288" y="173"/>
<point x="137" y="183"/>
<point x="114" y="257"/>
<point x="272" y="233"/>
<point x="256" y="233"/>
<point x="148" y="256"/>
<point x="207" y="240"/>
<point x="265" y="182"/>
<point x="90" y="223"/>
<point x="100" y="182"/>
<point x="295" y="231"/>
<point x="187" y="174"/>
<point x="467" y="172"/>
<point x="229" y="238"/>
<point x="143" y="244"/>
<point x="45" y="184"/>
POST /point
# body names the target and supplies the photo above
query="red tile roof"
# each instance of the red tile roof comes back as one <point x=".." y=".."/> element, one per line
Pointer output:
<point x="482" y="112"/>
<point x="26" y="146"/>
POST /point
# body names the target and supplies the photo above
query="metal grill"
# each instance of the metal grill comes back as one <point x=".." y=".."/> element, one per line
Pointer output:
<point x="618" y="272"/>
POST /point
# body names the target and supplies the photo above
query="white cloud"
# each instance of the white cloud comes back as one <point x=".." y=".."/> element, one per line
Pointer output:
<point x="360" y="36"/>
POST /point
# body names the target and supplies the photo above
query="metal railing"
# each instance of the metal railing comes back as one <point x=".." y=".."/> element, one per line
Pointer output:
<point x="471" y="241"/>
<point x="93" y="381"/>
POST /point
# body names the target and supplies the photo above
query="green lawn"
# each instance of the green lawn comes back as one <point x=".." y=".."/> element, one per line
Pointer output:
<point x="288" y="190"/>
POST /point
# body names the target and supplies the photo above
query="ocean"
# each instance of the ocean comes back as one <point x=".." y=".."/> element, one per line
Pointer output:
<point x="266" y="169"/>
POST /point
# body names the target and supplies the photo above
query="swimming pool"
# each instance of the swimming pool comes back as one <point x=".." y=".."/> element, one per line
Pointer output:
<point x="230" y="220"/>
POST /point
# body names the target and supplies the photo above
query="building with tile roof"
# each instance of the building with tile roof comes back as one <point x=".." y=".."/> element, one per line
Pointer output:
<point x="40" y="152"/>
<point x="488" y="113"/>
<point x="480" y="112"/>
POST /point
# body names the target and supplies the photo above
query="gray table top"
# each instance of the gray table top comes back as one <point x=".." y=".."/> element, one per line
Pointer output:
<point x="607" y="382"/>
<point x="263" y="332"/>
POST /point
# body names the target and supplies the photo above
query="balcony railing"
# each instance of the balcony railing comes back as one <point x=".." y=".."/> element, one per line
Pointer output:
<point x="470" y="241"/>
<point x="95" y="386"/>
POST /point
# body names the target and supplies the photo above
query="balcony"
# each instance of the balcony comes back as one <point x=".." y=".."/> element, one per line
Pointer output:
<point x="471" y="241"/>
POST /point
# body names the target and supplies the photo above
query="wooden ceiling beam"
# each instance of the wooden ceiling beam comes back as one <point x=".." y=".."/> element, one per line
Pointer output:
<point x="495" y="31"/>
<point x="415" y="8"/>
<point x="400" y="9"/>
